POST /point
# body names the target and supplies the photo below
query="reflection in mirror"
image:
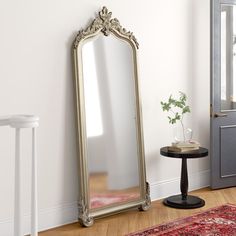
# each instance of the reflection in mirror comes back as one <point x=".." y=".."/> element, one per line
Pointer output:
<point x="228" y="57"/>
<point x="110" y="111"/>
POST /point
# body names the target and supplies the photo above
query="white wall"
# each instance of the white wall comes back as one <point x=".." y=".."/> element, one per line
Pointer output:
<point x="36" y="77"/>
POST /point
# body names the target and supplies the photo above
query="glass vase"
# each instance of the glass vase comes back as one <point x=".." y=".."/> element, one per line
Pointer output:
<point x="182" y="134"/>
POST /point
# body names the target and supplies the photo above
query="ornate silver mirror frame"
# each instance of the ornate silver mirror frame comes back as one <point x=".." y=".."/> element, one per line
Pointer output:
<point x="103" y="24"/>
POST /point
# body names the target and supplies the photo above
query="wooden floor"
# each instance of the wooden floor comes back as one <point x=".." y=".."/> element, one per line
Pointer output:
<point x="134" y="220"/>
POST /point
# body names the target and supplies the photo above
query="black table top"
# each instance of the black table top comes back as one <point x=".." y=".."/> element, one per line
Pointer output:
<point x="201" y="152"/>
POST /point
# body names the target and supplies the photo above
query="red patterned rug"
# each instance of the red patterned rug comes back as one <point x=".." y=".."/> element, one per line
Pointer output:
<point x="219" y="221"/>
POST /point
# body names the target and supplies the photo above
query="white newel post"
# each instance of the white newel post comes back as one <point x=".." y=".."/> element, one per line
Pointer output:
<point x="18" y="216"/>
<point x="34" y="196"/>
<point x="18" y="122"/>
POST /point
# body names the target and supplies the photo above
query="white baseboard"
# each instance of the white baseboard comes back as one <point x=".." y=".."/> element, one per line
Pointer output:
<point x="169" y="187"/>
<point x="48" y="218"/>
<point x="68" y="213"/>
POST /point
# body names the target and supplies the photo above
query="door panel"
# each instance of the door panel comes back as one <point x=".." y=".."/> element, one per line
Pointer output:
<point x="227" y="151"/>
<point x="223" y="93"/>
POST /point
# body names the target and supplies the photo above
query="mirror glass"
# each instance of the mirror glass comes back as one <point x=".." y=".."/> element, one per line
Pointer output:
<point x="228" y="57"/>
<point x="110" y="111"/>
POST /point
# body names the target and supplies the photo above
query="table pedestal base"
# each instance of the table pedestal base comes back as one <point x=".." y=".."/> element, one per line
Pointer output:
<point x="177" y="202"/>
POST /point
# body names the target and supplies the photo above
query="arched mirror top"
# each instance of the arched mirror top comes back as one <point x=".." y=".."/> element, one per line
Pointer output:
<point x="104" y="23"/>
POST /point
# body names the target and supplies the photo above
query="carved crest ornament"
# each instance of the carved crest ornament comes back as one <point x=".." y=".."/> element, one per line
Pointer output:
<point x="105" y="24"/>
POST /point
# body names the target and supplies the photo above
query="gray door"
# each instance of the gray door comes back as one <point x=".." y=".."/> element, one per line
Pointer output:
<point x="223" y="93"/>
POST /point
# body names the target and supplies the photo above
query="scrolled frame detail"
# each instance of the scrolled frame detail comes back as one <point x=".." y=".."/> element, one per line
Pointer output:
<point x="104" y="23"/>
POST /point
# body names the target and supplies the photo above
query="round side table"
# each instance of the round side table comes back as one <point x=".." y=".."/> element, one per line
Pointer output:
<point x="183" y="200"/>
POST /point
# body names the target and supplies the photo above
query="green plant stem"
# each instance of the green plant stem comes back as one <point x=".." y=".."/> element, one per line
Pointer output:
<point x="172" y="111"/>
<point x="182" y="124"/>
<point x="182" y="108"/>
<point x="181" y="121"/>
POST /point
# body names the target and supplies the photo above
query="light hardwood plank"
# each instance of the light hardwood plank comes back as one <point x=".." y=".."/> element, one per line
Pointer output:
<point x="135" y="220"/>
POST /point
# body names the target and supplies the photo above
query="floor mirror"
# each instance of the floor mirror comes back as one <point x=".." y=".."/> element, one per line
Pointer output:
<point x="112" y="175"/>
